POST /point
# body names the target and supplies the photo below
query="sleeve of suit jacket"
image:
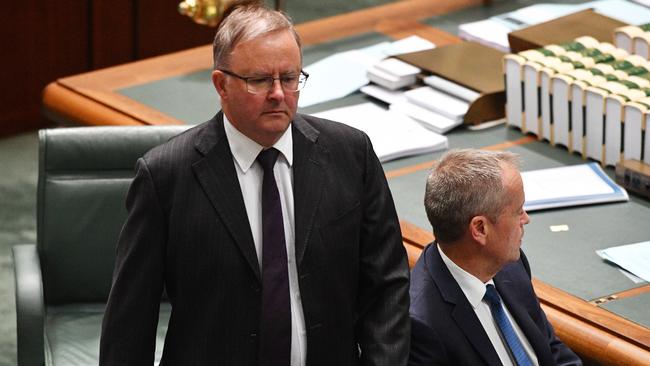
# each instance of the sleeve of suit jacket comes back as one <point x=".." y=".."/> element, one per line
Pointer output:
<point x="383" y="327"/>
<point x="129" y="325"/>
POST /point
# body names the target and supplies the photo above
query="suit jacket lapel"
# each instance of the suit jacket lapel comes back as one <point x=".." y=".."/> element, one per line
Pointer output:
<point x="462" y="313"/>
<point x="216" y="173"/>
<point x="309" y="162"/>
<point x="520" y="314"/>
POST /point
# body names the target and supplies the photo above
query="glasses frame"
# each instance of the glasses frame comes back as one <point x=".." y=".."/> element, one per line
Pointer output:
<point x="302" y="81"/>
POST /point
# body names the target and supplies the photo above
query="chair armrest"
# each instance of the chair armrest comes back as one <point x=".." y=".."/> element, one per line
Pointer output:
<point x="30" y="311"/>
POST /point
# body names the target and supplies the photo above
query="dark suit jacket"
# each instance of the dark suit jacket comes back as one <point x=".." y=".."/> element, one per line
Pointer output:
<point x="187" y="231"/>
<point x="446" y="331"/>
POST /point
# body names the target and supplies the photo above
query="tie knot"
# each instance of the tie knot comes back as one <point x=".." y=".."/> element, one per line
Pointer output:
<point x="491" y="295"/>
<point x="267" y="158"/>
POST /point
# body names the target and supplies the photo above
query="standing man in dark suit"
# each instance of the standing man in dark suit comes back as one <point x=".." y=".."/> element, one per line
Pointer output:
<point x="472" y="301"/>
<point x="273" y="233"/>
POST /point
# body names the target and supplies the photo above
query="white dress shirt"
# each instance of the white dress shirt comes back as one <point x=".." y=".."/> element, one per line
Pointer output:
<point x="250" y="175"/>
<point x="474" y="290"/>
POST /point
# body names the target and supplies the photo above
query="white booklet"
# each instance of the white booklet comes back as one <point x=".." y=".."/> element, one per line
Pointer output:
<point x="573" y="185"/>
<point x="392" y="134"/>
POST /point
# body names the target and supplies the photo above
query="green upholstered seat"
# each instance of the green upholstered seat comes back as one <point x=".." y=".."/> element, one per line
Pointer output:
<point x="63" y="281"/>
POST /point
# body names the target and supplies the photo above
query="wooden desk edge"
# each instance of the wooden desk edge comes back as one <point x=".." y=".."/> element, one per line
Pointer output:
<point x="72" y="106"/>
<point x="585" y="328"/>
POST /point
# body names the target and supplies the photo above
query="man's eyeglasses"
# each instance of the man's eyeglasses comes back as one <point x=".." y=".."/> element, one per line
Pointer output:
<point x="262" y="84"/>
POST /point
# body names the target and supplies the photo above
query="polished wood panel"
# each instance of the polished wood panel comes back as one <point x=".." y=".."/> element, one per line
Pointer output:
<point x="33" y="54"/>
<point x="161" y="29"/>
<point x="113" y="33"/>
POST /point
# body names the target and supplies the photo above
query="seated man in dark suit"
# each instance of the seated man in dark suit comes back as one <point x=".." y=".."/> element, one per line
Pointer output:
<point x="472" y="301"/>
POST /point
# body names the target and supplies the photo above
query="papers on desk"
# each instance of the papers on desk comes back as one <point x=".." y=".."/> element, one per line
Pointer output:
<point x="494" y="31"/>
<point x="393" y="135"/>
<point x="433" y="109"/>
<point x="634" y="258"/>
<point x="569" y="186"/>
<point x="432" y="120"/>
<point x="343" y="73"/>
<point x="393" y="74"/>
<point x="490" y="32"/>
<point x="384" y="94"/>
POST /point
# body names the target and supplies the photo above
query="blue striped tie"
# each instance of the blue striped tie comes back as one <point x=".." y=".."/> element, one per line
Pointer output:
<point x="507" y="331"/>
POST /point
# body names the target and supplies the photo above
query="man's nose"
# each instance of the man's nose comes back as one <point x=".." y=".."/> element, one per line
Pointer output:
<point x="276" y="92"/>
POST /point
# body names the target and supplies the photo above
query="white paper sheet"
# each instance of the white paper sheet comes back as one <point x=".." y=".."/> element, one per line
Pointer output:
<point x="634" y="258"/>
<point x="392" y="135"/>
<point x="384" y="94"/>
<point x="427" y="118"/>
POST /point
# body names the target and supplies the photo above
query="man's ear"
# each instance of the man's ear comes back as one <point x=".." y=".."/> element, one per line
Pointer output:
<point x="478" y="229"/>
<point x="219" y="82"/>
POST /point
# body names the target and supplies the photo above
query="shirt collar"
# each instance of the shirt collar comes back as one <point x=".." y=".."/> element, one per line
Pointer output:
<point x="245" y="150"/>
<point x="472" y="287"/>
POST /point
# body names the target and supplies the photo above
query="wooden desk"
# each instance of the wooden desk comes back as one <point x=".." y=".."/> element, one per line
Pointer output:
<point x="91" y="99"/>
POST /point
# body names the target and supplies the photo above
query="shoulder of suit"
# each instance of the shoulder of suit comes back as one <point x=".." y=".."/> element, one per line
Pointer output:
<point x="329" y="127"/>
<point x="178" y="147"/>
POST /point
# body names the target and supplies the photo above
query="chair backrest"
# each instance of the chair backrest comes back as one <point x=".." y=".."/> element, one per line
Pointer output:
<point x="84" y="174"/>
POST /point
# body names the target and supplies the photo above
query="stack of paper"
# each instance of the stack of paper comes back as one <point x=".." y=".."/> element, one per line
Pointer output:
<point x="343" y="73"/>
<point x="434" y="121"/>
<point x="451" y="88"/>
<point x="392" y="135"/>
<point x="385" y="95"/>
<point x="393" y="73"/>
<point x="439" y="102"/>
<point x="433" y="109"/>
<point x="569" y="186"/>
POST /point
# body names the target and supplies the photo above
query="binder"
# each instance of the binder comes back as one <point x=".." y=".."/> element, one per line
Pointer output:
<point x="564" y="29"/>
<point x="578" y="119"/>
<point x="635" y="122"/>
<point x="623" y="37"/>
<point x="513" y="72"/>
<point x="615" y="127"/>
<point x="640" y="45"/>
<point x="560" y="109"/>
<point x="473" y="66"/>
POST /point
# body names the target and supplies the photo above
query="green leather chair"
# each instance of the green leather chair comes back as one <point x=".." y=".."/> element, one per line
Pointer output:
<point x="63" y="281"/>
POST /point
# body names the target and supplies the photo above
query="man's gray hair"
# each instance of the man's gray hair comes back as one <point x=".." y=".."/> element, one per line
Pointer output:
<point x="463" y="184"/>
<point x="243" y="21"/>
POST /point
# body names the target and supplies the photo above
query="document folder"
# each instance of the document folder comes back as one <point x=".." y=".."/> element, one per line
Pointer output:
<point x="564" y="29"/>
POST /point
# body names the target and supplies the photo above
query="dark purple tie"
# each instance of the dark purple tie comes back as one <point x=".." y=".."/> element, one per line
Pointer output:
<point x="275" y="320"/>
